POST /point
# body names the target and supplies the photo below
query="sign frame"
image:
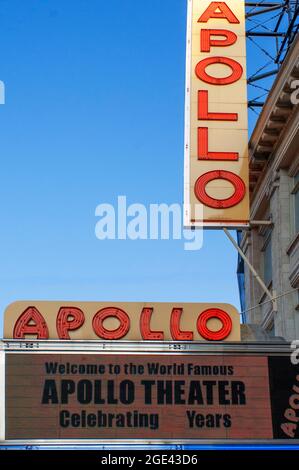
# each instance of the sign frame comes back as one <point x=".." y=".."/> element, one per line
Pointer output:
<point x="140" y="348"/>
<point x="198" y="208"/>
<point x="118" y="321"/>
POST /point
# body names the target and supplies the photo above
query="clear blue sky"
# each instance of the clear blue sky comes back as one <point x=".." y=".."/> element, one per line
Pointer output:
<point x="94" y="109"/>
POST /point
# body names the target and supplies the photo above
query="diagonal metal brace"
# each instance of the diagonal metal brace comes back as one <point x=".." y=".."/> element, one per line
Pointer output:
<point x="254" y="272"/>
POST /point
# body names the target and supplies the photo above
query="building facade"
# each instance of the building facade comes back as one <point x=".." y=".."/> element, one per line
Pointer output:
<point x="272" y="243"/>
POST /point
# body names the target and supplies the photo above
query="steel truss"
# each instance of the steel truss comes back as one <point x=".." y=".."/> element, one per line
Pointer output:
<point x="271" y="27"/>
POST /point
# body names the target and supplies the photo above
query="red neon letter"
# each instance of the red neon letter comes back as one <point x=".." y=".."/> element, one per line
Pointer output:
<point x="208" y="334"/>
<point x="100" y="317"/>
<point x="206" y="42"/>
<point x="204" y="198"/>
<point x="24" y="327"/>
<point x="236" y="71"/>
<point x="289" y="429"/>
<point x="145" y="329"/>
<point x="225" y="12"/>
<point x="176" y="333"/>
<point x="203" y="111"/>
<point x="68" y="319"/>
<point x="203" y="152"/>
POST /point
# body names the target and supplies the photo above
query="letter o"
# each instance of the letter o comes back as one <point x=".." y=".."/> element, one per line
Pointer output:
<point x="236" y="71"/>
<point x="219" y="335"/>
<point x="294" y="402"/>
<point x="204" y="198"/>
<point x="100" y="317"/>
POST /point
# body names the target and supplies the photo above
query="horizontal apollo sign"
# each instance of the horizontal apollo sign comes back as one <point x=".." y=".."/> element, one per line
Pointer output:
<point x="216" y="129"/>
<point x="150" y="396"/>
<point x="122" y="321"/>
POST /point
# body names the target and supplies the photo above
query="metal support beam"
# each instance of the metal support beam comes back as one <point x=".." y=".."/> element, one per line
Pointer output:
<point x="254" y="223"/>
<point x="255" y="78"/>
<point x="261" y="12"/>
<point x="262" y="5"/>
<point x="266" y="34"/>
<point x="256" y="104"/>
<point x="272" y="27"/>
<point x="253" y="271"/>
<point x="288" y="33"/>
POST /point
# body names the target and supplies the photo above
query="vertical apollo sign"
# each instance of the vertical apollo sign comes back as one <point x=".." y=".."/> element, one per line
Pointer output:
<point x="216" y="130"/>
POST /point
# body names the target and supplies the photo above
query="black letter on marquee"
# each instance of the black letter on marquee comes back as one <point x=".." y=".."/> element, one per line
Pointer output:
<point x="50" y="393"/>
<point x="127" y="392"/>
<point x="148" y="384"/>
<point x="67" y="387"/>
<point x="238" y="393"/>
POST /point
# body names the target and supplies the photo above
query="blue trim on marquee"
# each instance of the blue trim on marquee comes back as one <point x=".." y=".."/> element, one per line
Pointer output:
<point x="155" y="447"/>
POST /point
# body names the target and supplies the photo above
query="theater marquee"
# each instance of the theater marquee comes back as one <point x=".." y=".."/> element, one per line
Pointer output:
<point x="216" y="130"/>
<point x="127" y="395"/>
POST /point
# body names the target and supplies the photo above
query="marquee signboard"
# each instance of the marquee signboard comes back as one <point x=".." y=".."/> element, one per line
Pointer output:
<point x="216" y="129"/>
<point x="154" y="321"/>
<point x="148" y="396"/>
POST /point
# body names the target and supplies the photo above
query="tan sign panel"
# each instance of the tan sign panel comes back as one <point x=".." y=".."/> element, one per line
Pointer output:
<point x="216" y="129"/>
<point x="122" y="321"/>
<point x="131" y="396"/>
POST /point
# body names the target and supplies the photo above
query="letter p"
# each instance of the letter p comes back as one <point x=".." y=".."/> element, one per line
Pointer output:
<point x="206" y="42"/>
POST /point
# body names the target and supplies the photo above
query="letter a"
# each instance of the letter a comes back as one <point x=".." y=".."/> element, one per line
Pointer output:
<point x="223" y="12"/>
<point x="31" y="322"/>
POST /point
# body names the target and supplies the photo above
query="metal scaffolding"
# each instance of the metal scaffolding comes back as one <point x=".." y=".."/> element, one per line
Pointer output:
<point x="270" y="28"/>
